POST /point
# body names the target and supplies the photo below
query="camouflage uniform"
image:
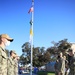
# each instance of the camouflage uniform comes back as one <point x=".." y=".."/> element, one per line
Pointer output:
<point x="11" y="66"/>
<point x="72" y="66"/>
<point x="3" y="62"/>
<point x="16" y="67"/>
<point x="63" y="67"/>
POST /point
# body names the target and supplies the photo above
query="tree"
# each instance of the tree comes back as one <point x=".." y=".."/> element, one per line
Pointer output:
<point x="52" y="50"/>
<point x="42" y="50"/>
<point x="60" y="46"/>
<point x="38" y="53"/>
<point x="42" y="56"/>
<point x="64" y="46"/>
<point x="25" y="57"/>
<point x="46" y="57"/>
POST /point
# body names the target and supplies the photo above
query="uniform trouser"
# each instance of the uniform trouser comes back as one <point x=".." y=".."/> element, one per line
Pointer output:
<point x="3" y="72"/>
<point x="67" y="73"/>
<point x="56" y="73"/>
<point x="71" y="72"/>
<point x="63" y="73"/>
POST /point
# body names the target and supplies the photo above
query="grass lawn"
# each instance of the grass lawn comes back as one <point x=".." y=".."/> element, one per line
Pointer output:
<point x="50" y="73"/>
<point x="45" y="73"/>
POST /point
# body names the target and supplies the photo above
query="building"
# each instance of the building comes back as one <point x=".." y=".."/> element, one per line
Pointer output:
<point x="50" y="66"/>
<point x="73" y="47"/>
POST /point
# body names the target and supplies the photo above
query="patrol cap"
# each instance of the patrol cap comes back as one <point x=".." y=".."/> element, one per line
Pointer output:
<point x="6" y="36"/>
<point x="13" y="51"/>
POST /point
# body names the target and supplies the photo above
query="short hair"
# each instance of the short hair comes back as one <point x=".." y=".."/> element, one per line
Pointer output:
<point x="11" y="52"/>
<point x="0" y="39"/>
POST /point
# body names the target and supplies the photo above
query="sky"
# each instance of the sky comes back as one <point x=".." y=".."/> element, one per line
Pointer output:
<point x="54" y="20"/>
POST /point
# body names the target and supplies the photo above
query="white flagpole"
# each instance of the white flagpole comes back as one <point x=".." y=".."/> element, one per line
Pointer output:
<point x="32" y="16"/>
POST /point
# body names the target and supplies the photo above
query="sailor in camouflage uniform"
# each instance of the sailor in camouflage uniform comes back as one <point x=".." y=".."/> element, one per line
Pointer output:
<point x="11" y="63"/>
<point x="4" y="41"/>
<point x="16" y="64"/>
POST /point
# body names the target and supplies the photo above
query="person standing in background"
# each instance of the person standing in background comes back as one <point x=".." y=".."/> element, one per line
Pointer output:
<point x="57" y="66"/>
<point x="70" y="56"/>
<point x="62" y="64"/>
<point x="4" y="41"/>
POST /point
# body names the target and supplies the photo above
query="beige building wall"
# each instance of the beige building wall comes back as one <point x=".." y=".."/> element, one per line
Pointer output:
<point x="73" y="47"/>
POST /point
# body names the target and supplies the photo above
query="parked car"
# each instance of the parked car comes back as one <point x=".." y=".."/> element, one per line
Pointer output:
<point x="23" y="70"/>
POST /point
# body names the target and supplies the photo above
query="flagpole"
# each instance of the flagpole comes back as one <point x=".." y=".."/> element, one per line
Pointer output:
<point x="32" y="16"/>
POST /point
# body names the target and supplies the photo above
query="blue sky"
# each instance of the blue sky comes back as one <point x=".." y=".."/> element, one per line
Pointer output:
<point x="54" y="20"/>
